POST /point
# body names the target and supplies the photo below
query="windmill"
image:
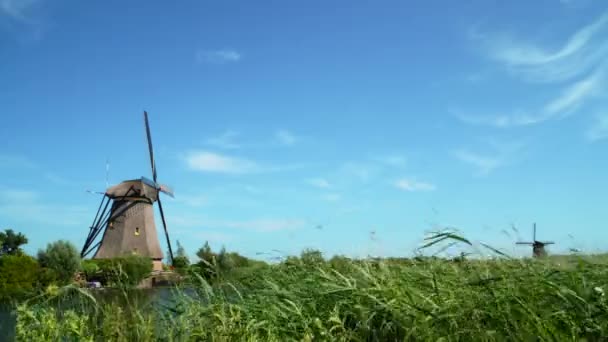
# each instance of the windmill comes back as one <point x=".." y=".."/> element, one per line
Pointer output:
<point x="126" y="218"/>
<point x="538" y="247"/>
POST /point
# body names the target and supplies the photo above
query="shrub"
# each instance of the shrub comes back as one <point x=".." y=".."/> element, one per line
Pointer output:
<point x="90" y="269"/>
<point x="124" y="271"/>
<point x="63" y="258"/>
<point x="181" y="263"/>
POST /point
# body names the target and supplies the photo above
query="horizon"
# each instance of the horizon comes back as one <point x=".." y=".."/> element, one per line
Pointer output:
<point x="349" y="128"/>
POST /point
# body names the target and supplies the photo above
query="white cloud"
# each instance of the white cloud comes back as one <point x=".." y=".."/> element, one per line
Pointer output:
<point x="218" y="56"/>
<point x="213" y="162"/>
<point x="579" y="66"/>
<point x="483" y="163"/>
<point x="573" y="96"/>
<point x="285" y="137"/>
<point x="599" y="129"/>
<point x="571" y="99"/>
<point x="319" y="183"/>
<point x="413" y="185"/>
<point x="226" y="140"/>
<point x="580" y="53"/>
<point x="206" y="161"/>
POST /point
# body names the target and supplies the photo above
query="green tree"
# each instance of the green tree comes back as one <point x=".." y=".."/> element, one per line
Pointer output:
<point x="181" y="251"/>
<point x="17" y="276"/>
<point x="207" y="263"/>
<point x="11" y="242"/>
<point x="205" y="253"/>
<point x="63" y="258"/>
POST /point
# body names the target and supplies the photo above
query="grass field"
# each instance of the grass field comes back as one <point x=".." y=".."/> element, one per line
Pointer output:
<point x="308" y="299"/>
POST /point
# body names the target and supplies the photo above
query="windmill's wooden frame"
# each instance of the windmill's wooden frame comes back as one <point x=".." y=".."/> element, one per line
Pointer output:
<point x="538" y="247"/>
<point x="126" y="218"/>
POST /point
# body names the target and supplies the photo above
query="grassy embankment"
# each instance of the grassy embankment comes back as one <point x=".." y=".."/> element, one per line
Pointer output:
<point x="347" y="300"/>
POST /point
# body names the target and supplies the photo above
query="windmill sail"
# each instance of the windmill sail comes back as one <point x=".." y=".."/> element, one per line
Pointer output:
<point x="125" y="218"/>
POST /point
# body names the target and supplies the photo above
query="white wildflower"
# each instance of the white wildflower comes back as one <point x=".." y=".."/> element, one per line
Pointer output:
<point x="599" y="290"/>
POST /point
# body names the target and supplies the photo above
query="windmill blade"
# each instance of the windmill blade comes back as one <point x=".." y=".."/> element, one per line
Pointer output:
<point x="524" y="243"/>
<point x="548" y="243"/>
<point x="166" y="189"/>
<point x="534" y="232"/>
<point x="149" y="182"/>
<point x="149" y="136"/>
<point x="162" y="217"/>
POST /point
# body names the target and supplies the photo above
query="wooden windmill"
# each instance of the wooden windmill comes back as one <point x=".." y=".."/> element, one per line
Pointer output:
<point x="538" y="247"/>
<point x="128" y="223"/>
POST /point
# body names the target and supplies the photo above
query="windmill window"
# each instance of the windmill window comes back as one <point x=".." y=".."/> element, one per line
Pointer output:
<point x="136" y="231"/>
<point x="111" y="225"/>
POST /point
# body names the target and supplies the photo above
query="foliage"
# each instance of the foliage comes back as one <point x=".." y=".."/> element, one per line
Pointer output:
<point x="126" y="271"/>
<point x="90" y="268"/>
<point x="181" y="251"/>
<point x="181" y="264"/>
<point x="372" y="300"/>
<point x="18" y="275"/>
<point x="11" y="242"/>
<point x="63" y="258"/>
<point x="306" y="298"/>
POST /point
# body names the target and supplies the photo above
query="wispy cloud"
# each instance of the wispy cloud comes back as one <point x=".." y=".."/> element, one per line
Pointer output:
<point x="262" y="225"/>
<point x="574" y="96"/>
<point x="218" y="56"/>
<point x="483" y="163"/>
<point x="192" y="200"/>
<point x="332" y="197"/>
<point x="319" y="183"/>
<point x="212" y="162"/>
<point x="579" y="67"/>
<point x="584" y="50"/>
<point x="563" y="105"/>
<point x="16" y="161"/>
<point x="17" y="9"/>
<point x="414" y="185"/>
<point x="285" y="137"/>
<point x="392" y="160"/>
<point x="265" y="225"/>
<point x="218" y="163"/>
<point x="18" y="196"/>
<point x="30" y="207"/>
<point x="226" y="140"/>
<point x="599" y="129"/>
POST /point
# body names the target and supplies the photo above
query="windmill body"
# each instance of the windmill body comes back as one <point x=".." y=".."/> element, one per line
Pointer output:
<point x="131" y="228"/>
<point x="126" y="218"/>
<point x="538" y="247"/>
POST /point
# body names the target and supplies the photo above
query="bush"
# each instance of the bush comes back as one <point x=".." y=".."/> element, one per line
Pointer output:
<point x="63" y="258"/>
<point x="124" y="271"/>
<point x="18" y="275"/>
<point x="90" y="269"/>
<point x="181" y="263"/>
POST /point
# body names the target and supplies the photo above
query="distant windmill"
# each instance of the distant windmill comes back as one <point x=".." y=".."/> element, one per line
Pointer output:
<point x="538" y="247"/>
<point x="126" y="218"/>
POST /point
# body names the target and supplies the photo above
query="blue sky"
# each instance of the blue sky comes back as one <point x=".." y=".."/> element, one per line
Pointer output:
<point x="353" y="127"/>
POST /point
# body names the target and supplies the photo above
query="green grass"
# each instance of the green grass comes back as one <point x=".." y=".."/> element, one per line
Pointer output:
<point x="309" y="300"/>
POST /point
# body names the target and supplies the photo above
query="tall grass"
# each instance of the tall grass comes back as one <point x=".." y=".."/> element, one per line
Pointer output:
<point x="347" y="300"/>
